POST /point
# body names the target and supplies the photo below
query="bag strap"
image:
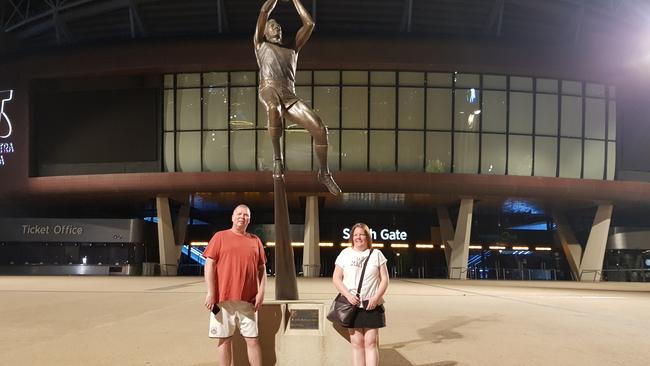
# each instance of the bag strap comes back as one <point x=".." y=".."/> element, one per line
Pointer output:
<point x="363" y="271"/>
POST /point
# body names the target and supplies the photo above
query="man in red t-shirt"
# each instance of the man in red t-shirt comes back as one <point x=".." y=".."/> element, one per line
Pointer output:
<point x="235" y="275"/>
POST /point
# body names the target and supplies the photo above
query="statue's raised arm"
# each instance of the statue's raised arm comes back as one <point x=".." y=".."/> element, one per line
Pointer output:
<point x="307" y="25"/>
<point x="260" y="29"/>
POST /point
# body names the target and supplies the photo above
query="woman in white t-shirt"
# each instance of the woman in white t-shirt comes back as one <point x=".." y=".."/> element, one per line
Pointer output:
<point x="364" y="332"/>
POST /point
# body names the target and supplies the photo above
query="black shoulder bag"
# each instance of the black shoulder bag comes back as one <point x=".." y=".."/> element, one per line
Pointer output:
<point x="341" y="311"/>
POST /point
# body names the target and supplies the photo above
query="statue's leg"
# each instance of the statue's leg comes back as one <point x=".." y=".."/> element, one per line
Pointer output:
<point x="273" y="106"/>
<point x="301" y="114"/>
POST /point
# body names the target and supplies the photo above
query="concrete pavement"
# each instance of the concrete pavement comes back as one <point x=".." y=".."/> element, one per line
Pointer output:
<point x="160" y="321"/>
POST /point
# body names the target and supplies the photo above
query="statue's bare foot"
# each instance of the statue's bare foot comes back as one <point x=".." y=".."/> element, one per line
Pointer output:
<point x="328" y="181"/>
<point x="278" y="168"/>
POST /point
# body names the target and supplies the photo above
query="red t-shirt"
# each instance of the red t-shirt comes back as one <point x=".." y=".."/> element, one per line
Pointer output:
<point x="237" y="258"/>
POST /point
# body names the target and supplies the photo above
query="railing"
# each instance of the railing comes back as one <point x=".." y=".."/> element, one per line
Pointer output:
<point x="625" y="275"/>
<point x="487" y="273"/>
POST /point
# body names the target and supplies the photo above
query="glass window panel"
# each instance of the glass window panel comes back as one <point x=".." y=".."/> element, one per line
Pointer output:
<point x="188" y="114"/>
<point x="169" y="152"/>
<point x="494" y="82"/>
<point x="467" y="80"/>
<point x="521" y="112"/>
<point x="594" y="159"/>
<point x="411" y="108"/>
<point x="327" y="104"/>
<point x="571" y="87"/>
<point x="188" y="152"/>
<point x="242" y="153"/>
<point x="439" y="79"/>
<point x="493" y="113"/>
<point x="188" y="80"/>
<point x="242" y="108"/>
<point x="355" y="107"/>
<point x="467" y="103"/>
<point x="612" y="92"/>
<point x="303" y="78"/>
<point x="298" y="149"/>
<point x="466" y="152"/>
<point x="545" y="156"/>
<point x="493" y="154"/>
<point x="264" y="151"/>
<point x="571" y="124"/>
<point x="243" y="78"/>
<point x="168" y="81"/>
<point x="304" y="93"/>
<point x="438" y="152"/>
<point x="333" y="152"/>
<point x="355" y="77"/>
<point x="521" y="83"/>
<point x="570" y="158"/>
<point x="215" y="151"/>
<point x="411" y="78"/>
<point x="595" y="118"/>
<point x="546" y="85"/>
<point x="410" y="151"/>
<point x="611" y="160"/>
<point x="595" y="90"/>
<point x="169" y="110"/>
<point x="382" y="78"/>
<point x="354" y="150"/>
<point x="520" y="155"/>
<point x="611" y="120"/>
<point x="215" y="79"/>
<point x="546" y="114"/>
<point x="439" y="109"/>
<point x="382" y="151"/>
<point x="215" y="108"/>
<point x="382" y="107"/>
<point x="327" y="77"/>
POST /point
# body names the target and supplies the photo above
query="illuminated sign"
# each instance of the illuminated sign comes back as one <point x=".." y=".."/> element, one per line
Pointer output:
<point x="5" y="132"/>
<point x="384" y="234"/>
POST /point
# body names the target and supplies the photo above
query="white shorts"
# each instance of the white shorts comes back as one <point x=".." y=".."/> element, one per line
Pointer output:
<point x="233" y="314"/>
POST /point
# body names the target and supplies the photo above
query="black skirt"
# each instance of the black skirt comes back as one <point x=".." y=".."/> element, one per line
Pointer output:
<point x="375" y="318"/>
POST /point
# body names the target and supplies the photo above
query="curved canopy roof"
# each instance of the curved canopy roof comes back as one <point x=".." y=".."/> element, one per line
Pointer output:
<point x="41" y="24"/>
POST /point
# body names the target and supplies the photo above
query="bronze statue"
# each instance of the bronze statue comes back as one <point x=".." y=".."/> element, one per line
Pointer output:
<point x="277" y="63"/>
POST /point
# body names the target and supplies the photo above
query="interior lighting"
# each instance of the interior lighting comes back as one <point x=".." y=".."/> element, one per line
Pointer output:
<point x="199" y="243"/>
<point x="497" y="247"/>
<point x="297" y="244"/>
<point x="377" y="245"/>
<point x="442" y="246"/>
<point x="399" y="245"/>
<point x="547" y="249"/>
<point x="520" y="248"/>
<point x="424" y="246"/>
<point x="346" y="245"/>
<point x="326" y="244"/>
<point x="475" y="247"/>
<point x="270" y="244"/>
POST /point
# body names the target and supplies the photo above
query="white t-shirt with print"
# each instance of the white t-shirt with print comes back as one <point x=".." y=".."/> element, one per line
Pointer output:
<point x="351" y="261"/>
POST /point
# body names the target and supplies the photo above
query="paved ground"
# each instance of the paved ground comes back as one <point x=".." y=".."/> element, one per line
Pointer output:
<point x="160" y="321"/>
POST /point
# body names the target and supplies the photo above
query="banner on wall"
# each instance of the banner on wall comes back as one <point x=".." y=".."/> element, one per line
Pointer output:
<point x="6" y="127"/>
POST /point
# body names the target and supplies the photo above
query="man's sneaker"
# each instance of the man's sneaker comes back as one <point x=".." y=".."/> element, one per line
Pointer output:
<point x="278" y="168"/>
<point x="328" y="181"/>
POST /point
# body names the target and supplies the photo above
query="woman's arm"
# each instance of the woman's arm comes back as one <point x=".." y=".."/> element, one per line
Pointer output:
<point x="381" y="290"/>
<point x="337" y="279"/>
